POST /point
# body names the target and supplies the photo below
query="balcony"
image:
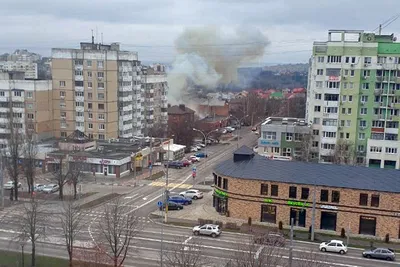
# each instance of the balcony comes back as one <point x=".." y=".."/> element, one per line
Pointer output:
<point x="79" y="67"/>
<point x="151" y="91"/>
<point x="80" y="128"/>
<point x="126" y="98"/>
<point x="79" y="109"/>
<point x="125" y="88"/>
<point x="80" y="119"/>
<point x="17" y="110"/>
<point x="378" y="91"/>
<point x="150" y="117"/>
<point x="78" y="78"/>
<point x="4" y="99"/>
<point x="125" y="117"/>
<point x="3" y="130"/>
<point x="127" y="108"/>
<point x="164" y="98"/>
<point x="127" y="127"/>
<point x="151" y="100"/>
<point x="126" y="78"/>
<point x="79" y="88"/>
<point x="18" y="98"/>
<point x="125" y="69"/>
<point x="331" y="115"/>
<point x="79" y="98"/>
<point x="138" y="78"/>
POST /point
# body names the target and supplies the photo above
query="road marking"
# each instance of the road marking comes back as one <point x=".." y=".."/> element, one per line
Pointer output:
<point x="185" y="243"/>
<point x="171" y="185"/>
<point x="130" y="197"/>
<point x="257" y="255"/>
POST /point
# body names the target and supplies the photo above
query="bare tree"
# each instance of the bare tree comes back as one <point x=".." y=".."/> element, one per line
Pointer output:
<point x="183" y="253"/>
<point x="305" y="148"/>
<point x="71" y="224"/>
<point x="32" y="226"/>
<point x="118" y="227"/>
<point x="60" y="175"/>
<point x="75" y="172"/>
<point x="158" y="130"/>
<point x="29" y="154"/>
<point x="344" y="153"/>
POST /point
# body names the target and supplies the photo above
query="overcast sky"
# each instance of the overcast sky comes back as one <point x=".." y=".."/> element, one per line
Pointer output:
<point x="151" y="26"/>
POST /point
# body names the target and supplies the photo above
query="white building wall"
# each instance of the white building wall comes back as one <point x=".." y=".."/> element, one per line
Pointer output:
<point x="385" y="152"/>
<point x="29" y="68"/>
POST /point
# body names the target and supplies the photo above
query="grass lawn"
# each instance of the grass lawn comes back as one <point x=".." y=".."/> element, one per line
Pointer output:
<point x="13" y="259"/>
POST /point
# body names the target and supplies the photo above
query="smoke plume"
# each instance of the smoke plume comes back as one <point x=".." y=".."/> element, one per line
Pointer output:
<point x="209" y="56"/>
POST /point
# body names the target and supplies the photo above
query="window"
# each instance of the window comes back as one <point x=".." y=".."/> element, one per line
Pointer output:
<point x="348" y="123"/>
<point x="367" y="60"/>
<point x="289" y="136"/>
<point x="101" y="116"/>
<point x="318" y="96"/>
<point x="363" y="123"/>
<point x="225" y="184"/>
<point x="329" y="122"/>
<point x="100" y="106"/>
<point x="360" y="148"/>
<point x="292" y="192"/>
<point x="363" y="111"/>
<point x="89" y="63"/>
<point x="317" y="108"/>
<point x="344" y="98"/>
<point x="101" y="126"/>
<point x="274" y="190"/>
<point x="324" y="195"/>
<point x="315" y="132"/>
<point x="348" y="111"/>
<point x="363" y="199"/>
<point x="366" y="73"/>
<point x="331" y="97"/>
<point x="78" y="72"/>
<point x="345" y="85"/>
<point x="286" y="152"/>
<point x="341" y="135"/>
<point x="62" y="83"/>
<point x="90" y="96"/>
<point x="63" y="114"/>
<point x="102" y="137"/>
<point x="364" y="98"/>
<point x="100" y="74"/>
<point x="343" y="111"/>
<point x="90" y="125"/>
<point x="79" y="94"/>
<point x="100" y="85"/>
<point x="334" y="59"/>
<point x="264" y="189"/>
<point x="351" y="85"/>
<point x="78" y="83"/>
<point x="63" y="134"/>
<point x="89" y="74"/>
<point x="316" y="120"/>
<point x="100" y="64"/>
<point x="29" y="94"/>
<point x="391" y="150"/>
<point x="320" y="59"/>
<point x="90" y="105"/>
<point x="269" y="135"/>
<point x="329" y="134"/>
<point x="305" y="192"/>
<point x="62" y="94"/>
<point x="320" y="72"/>
<point x="100" y="96"/>
<point x="30" y="116"/>
<point x="78" y="62"/>
<point x="89" y="84"/>
<point x="268" y="213"/>
<point x="376" y="149"/>
<point x="361" y="136"/>
<point x="375" y="201"/>
<point x="276" y="150"/>
<point x="352" y="73"/>
<point x="365" y="86"/>
<point x="335" y="196"/>
<point x="333" y="85"/>
<point x="90" y="115"/>
<point x="17" y="93"/>
<point x="318" y="84"/>
<point x="315" y="143"/>
<point x="79" y="104"/>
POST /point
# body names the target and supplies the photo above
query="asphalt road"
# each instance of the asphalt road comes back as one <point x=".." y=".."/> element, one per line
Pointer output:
<point x="145" y="250"/>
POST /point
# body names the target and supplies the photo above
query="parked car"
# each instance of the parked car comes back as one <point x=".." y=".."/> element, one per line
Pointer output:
<point x="172" y="206"/>
<point x="194" y="159"/>
<point x="254" y="129"/>
<point x="207" y="229"/>
<point x="186" y="162"/>
<point x="223" y="131"/>
<point x="192" y="193"/>
<point x="333" y="246"/>
<point x="193" y="149"/>
<point x="230" y="129"/>
<point x="50" y="188"/>
<point x="380" y="253"/>
<point x="10" y="185"/>
<point x="174" y="164"/>
<point x="180" y="200"/>
<point x="201" y="144"/>
<point x="38" y="187"/>
<point x="198" y="147"/>
<point x="271" y="239"/>
<point x="201" y="155"/>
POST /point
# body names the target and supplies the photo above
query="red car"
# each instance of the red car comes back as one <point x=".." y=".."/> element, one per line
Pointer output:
<point x="186" y="163"/>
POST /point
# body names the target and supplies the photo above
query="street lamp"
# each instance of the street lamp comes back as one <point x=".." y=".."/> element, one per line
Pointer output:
<point x="240" y="126"/>
<point x="205" y="145"/>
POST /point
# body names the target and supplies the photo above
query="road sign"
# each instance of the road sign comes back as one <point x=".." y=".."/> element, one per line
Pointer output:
<point x="159" y="203"/>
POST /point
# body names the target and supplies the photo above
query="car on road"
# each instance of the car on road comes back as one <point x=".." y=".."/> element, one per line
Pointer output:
<point x="201" y="155"/>
<point x="194" y="159"/>
<point x="50" y="188"/>
<point x="174" y="164"/>
<point x="380" y="253"/>
<point x="274" y="239"/>
<point x="207" y="229"/>
<point x="38" y="187"/>
<point x="180" y="200"/>
<point x="192" y="193"/>
<point x="186" y="162"/>
<point x="333" y="246"/>
<point x="10" y="185"/>
<point x="172" y="206"/>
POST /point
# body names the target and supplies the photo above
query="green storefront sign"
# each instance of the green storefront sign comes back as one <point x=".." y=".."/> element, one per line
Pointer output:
<point x="298" y="204"/>
<point x="268" y="200"/>
<point x="220" y="193"/>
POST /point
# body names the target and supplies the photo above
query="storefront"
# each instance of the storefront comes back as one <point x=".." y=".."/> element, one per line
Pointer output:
<point x="367" y="225"/>
<point x="220" y="201"/>
<point x="328" y="220"/>
<point x="268" y="214"/>
<point x="298" y="216"/>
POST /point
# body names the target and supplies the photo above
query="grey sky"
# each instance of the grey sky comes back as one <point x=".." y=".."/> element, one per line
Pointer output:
<point x="151" y="26"/>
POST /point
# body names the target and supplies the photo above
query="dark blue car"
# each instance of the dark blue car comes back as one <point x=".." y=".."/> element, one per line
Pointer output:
<point x="201" y="155"/>
<point x="180" y="200"/>
<point x="174" y="164"/>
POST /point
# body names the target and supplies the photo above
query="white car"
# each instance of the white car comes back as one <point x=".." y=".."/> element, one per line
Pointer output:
<point x="207" y="229"/>
<point x="192" y="193"/>
<point x="333" y="246"/>
<point x="193" y="149"/>
<point x="10" y="185"/>
<point x="38" y="187"/>
<point x="194" y="158"/>
<point x="50" y="188"/>
<point x="201" y="144"/>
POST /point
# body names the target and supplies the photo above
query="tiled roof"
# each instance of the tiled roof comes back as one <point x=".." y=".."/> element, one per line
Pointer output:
<point x="295" y="172"/>
<point x="178" y="110"/>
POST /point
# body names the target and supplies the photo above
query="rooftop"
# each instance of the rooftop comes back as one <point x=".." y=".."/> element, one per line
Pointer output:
<point x="179" y="110"/>
<point x="284" y="120"/>
<point x="248" y="165"/>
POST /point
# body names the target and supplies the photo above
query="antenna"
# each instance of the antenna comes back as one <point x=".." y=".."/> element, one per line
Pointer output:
<point x="97" y="35"/>
<point x="380" y="29"/>
<point x="101" y="38"/>
<point x="92" y="37"/>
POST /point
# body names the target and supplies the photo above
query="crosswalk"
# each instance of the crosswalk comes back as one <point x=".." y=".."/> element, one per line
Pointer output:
<point x="170" y="185"/>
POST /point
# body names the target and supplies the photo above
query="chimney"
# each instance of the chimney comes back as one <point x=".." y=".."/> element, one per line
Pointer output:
<point x="182" y="107"/>
<point x="169" y="105"/>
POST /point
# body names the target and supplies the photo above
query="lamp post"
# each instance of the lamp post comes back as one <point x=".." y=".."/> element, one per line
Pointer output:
<point x="205" y="145"/>
<point x="240" y="126"/>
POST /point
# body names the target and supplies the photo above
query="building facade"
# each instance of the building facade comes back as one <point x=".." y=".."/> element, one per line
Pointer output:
<point x="28" y="67"/>
<point x="353" y="95"/>
<point x="346" y="197"/>
<point x="29" y="101"/>
<point x="97" y="90"/>
<point x="285" y="138"/>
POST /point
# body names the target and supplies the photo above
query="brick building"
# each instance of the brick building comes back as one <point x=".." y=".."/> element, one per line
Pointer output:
<point x="214" y="107"/>
<point x="363" y="199"/>
<point x="180" y="124"/>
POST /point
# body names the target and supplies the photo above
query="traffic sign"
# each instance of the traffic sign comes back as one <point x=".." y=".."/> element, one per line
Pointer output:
<point x="159" y="203"/>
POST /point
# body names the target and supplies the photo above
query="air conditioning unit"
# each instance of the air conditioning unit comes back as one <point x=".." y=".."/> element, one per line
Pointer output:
<point x="366" y="65"/>
<point x="352" y="65"/>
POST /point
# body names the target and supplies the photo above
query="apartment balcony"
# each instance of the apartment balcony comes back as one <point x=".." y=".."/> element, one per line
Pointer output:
<point x="78" y="77"/>
<point x="17" y="110"/>
<point x="18" y="99"/>
<point x="79" y="109"/>
<point x="378" y="91"/>
<point x="138" y="78"/>
<point x="4" y="99"/>
<point x="138" y="68"/>
<point x="164" y="98"/>
<point x="150" y="117"/>
<point x="137" y="124"/>
<point x="137" y="87"/>
<point x="391" y="130"/>
<point x="125" y="69"/>
<point x="79" y="88"/>
<point x="125" y="88"/>
<point x="80" y="128"/>
<point x="151" y="100"/>
<point x="125" y="118"/>
<point x="79" y="67"/>
<point x="328" y="140"/>
<point x="331" y="103"/>
<point x="326" y="152"/>
<point x="151" y="91"/>
<point x="330" y="115"/>
<point x="126" y="135"/>
<point x="126" y="127"/>
<point x="127" y="108"/>
<point x="164" y="114"/>
<point x="127" y="78"/>
<point x="126" y="98"/>
<point x="79" y="98"/>
<point x="80" y="119"/>
<point x="4" y="131"/>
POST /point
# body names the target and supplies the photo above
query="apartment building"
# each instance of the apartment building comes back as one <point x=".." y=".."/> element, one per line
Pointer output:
<point x="154" y="83"/>
<point x="353" y="95"/>
<point x="284" y="138"/>
<point x="97" y="90"/>
<point x="28" y="67"/>
<point x="30" y="102"/>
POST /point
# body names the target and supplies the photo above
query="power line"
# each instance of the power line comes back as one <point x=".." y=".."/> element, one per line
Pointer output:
<point x="391" y="19"/>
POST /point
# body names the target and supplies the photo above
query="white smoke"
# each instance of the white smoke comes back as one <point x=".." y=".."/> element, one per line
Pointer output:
<point x="209" y="56"/>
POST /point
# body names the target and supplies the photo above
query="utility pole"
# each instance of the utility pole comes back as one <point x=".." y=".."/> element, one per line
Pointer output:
<point x="1" y="183"/>
<point x="380" y="29"/>
<point x="291" y="244"/>
<point x="134" y="169"/>
<point x="166" y="186"/>
<point x="151" y="157"/>
<point x="348" y="234"/>
<point x="313" y="214"/>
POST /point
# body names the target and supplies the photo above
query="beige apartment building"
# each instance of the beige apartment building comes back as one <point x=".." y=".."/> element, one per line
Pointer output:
<point x="30" y="102"/>
<point x="97" y="90"/>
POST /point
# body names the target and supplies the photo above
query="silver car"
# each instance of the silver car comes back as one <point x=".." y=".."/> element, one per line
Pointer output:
<point x="207" y="229"/>
<point x="380" y="253"/>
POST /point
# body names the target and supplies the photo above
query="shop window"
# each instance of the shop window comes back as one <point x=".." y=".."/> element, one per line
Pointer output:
<point x="219" y="181"/>
<point x="367" y="225"/>
<point x="215" y="179"/>
<point x="363" y="199"/>
<point x="324" y="195"/>
<point x="305" y="192"/>
<point x="335" y="196"/>
<point x="264" y="189"/>
<point x="328" y="221"/>
<point x="298" y="216"/>
<point x="268" y="213"/>
<point x="375" y="201"/>
<point x="292" y="192"/>
<point x="225" y="184"/>
<point x="274" y="190"/>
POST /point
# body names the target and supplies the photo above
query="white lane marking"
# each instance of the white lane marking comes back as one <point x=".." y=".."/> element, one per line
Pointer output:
<point x="131" y="196"/>
<point x="185" y="243"/>
<point x="257" y="255"/>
